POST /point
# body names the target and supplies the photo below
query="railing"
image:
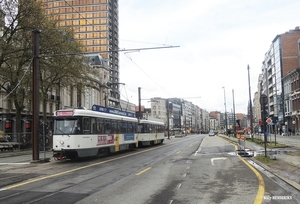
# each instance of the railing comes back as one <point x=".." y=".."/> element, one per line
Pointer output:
<point x="18" y="141"/>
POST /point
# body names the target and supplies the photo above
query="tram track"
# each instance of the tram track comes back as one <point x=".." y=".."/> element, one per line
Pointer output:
<point x="44" y="187"/>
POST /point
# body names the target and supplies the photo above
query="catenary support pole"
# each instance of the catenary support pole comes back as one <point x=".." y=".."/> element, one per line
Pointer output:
<point x="250" y="104"/>
<point x="35" y="95"/>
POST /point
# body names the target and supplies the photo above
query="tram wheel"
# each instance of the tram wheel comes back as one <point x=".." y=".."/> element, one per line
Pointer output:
<point x="103" y="152"/>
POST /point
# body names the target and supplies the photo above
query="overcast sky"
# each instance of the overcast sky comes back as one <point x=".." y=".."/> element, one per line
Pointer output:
<point x="218" y="39"/>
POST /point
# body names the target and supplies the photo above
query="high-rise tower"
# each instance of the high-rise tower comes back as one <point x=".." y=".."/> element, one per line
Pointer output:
<point x="95" y="23"/>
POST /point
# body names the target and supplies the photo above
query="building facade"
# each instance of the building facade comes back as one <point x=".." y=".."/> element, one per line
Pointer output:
<point x="291" y="84"/>
<point x="276" y="82"/>
<point x="182" y="114"/>
<point x="96" y="26"/>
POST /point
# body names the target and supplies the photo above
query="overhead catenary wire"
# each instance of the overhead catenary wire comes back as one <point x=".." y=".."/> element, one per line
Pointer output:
<point x="146" y="74"/>
<point x="90" y="23"/>
<point x="119" y="50"/>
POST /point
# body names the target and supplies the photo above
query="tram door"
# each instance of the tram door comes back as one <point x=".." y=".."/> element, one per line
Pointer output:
<point x="87" y="130"/>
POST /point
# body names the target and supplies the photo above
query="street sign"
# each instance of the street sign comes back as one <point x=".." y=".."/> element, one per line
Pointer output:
<point x="269" y="120"/>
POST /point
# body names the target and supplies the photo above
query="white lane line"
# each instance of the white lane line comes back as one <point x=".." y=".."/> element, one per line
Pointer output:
<point x="217" y="158"/>
<point x="178" y="187"/>
<point x="184" y="175"/>
<point x="199" y="150"/>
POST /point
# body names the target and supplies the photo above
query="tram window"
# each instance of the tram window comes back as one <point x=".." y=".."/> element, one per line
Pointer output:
<point x="115" y="127"/>
<point x="129" y="128"/>
<point x="108" y="127"/>
<point x="86" y="127"/>
<point x="65" y="126"/>
<point x="94" y="125"/>
<point x="123" y="127"/>
<point x="148" y="128"/>
<point x="78" y="128"/>
<point x="112" y="125"/>
<point x="100" y="126"/>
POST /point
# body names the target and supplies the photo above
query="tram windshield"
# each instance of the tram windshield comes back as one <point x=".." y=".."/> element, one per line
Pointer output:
<point x="67" y="126"/>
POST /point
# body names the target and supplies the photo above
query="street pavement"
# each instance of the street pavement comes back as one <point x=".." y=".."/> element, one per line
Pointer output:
<point x="282" y="155"/>
<point x="288" y="164"/>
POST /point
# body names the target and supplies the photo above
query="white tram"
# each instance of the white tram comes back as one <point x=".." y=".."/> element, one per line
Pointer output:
<point x="100" y="131"/>
<point x="150" y="132"/>
<point x="97" y="132"/>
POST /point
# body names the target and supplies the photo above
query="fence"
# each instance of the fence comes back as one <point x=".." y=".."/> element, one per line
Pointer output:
<point x="24" y="140"/>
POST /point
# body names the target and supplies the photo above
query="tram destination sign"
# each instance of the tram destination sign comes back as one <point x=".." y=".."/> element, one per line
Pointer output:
<point x="112" y="111"/>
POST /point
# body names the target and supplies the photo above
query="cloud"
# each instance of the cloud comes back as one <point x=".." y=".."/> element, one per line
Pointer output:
<point x="217" y="39"/>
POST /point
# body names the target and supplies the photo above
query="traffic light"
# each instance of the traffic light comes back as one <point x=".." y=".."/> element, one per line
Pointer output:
<point x="264" y="110"/>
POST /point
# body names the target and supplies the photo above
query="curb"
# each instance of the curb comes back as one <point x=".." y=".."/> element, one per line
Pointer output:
<point x="287" y="180"/>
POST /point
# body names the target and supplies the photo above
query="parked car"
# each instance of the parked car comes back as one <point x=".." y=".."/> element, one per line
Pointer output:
<point x="211" y="133"/>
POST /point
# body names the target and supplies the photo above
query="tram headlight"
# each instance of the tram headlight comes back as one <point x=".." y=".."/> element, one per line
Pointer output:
<point x="61" y="142"/>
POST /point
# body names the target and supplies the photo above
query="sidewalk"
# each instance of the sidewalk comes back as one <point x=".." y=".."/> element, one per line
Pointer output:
<point x="17" y="156"/>
<point x="286" y="163"/>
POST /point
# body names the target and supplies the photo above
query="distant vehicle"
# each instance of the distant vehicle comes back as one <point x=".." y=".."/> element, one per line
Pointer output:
<point x="211" y="133"/>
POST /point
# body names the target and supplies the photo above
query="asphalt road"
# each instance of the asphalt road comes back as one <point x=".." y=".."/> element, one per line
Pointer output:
<point x="193" y="169"/>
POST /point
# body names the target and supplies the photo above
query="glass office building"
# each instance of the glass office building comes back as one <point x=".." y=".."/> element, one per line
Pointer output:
<point x="95" y="23"/>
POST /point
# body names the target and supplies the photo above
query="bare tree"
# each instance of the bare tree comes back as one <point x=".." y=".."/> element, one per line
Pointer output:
<point x="60" y="58"/>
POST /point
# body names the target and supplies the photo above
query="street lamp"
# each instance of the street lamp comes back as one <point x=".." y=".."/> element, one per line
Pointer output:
<point x="225" y="109"/>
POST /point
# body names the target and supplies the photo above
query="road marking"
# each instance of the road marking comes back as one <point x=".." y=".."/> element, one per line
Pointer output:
<point x="199" y="150"/>
<point x="184" y="175"/>
<point x="178" y="152"/>
<point x="178" y="187"/>
<point x="143" y="171"/>
<point x="217" y="158"/>
<point x="261" y="183"/>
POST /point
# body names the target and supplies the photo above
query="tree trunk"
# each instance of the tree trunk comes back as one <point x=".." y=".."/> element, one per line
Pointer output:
<point x="18" y="135"/>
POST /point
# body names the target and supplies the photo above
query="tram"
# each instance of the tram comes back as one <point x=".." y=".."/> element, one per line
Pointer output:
<point x="85" y="133"/>
<point x="97" y="132"/>
<point x="150" y="132"/>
